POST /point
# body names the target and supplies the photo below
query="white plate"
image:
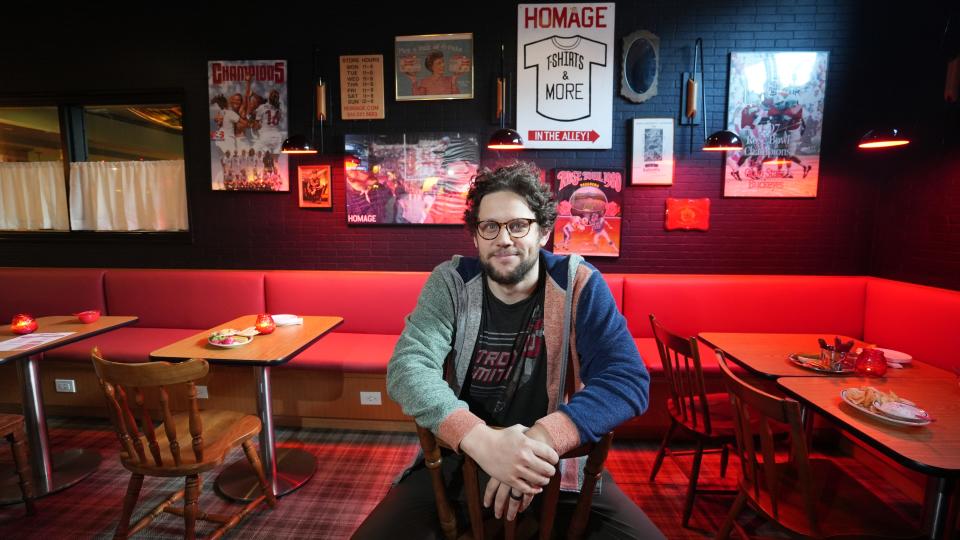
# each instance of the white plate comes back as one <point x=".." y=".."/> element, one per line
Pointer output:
<point x="895" y="357"/>
<point x="286" y="319"/>
<point x="902" y="411"/>
<point x="238" y="341"/>
<point x="880" y="416"/>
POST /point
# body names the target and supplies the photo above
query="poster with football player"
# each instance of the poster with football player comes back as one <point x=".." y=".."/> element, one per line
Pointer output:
<point x="776" y="107"/>
<point x="589" y="212"/>
<point x="409" y="178"/>
<point x="248" y="124"/>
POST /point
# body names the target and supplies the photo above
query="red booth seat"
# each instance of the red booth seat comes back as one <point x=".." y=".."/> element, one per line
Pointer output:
<point x="50" y="291"/>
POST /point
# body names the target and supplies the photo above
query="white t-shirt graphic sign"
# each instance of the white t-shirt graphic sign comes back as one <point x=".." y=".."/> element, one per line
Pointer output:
<point x="565" y="75"/>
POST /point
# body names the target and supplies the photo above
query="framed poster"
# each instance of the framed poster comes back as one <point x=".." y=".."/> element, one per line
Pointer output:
<point x="361" y="83"/>
<point x="652" y="152"/>
<point x="776" y="106"/>
<point x="314" y="186"/>
<point x="687" y="215"/>
<point x="248" y="124"/>
<point x="409" y="178"/>
<point x="565" y="75"/>
<point x="589" y="212"/>
<point x="438" y="66"/>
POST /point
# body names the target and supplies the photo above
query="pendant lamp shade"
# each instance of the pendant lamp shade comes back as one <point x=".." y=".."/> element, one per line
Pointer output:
<point x="505" y="139"/>
<point x="882" y="138"/>
<point x="723" y="141"/>
<point x="297" y="144"/>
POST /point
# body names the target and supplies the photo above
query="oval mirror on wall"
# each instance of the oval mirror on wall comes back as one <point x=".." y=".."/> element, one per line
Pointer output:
<point x="641" y="66"/>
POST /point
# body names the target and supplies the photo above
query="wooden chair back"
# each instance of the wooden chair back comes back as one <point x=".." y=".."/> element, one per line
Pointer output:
<point x="755" y="411"/>
<point x="596" y="456"/>
<point x="123" y="386"/>
<point x="680" y="358"/>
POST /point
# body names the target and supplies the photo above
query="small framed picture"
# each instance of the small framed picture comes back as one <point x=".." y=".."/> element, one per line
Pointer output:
<point x="438" y="66"/>
<point x="315" y="186"/>
<point x="652" y="152"/>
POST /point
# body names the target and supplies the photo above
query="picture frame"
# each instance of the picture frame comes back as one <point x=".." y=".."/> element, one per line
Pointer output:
<point x="434" y="66"/>
<point x="653" y="161"/>
<point x="589" y="211"/>
<point x="315" y="186"/>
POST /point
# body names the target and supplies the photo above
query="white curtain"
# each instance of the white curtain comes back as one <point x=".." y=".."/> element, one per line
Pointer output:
<point x="128" y="196"/>
<point x="32" y="196"/>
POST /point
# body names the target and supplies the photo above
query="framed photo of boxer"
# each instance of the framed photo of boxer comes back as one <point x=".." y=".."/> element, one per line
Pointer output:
<point x="438" y="66"/>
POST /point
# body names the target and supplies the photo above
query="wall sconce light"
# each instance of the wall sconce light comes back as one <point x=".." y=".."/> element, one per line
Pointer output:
<point x="882" y="138"/>
<point x="720" y="141"/>
<point x="299" y="144"/>
<point x="504" y="138"/>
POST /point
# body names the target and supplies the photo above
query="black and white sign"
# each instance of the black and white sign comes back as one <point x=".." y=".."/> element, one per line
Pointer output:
<point x="565" y="75"/>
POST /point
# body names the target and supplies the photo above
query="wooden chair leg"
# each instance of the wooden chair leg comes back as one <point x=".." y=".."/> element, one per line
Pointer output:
<point x="191" y="506"/>
<point x="472" y="488"/>
<point x="662" y="451"/>
<point x="692" y="487"/>
<point x="129" y="502"/>
<point x="251" y="452"/>
<point x="735" y="510"/>
<point x="19" y="448"/>
<point x="724" y="460"/>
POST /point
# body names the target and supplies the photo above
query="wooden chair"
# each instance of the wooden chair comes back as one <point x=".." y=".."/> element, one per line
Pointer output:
<point x="707" y="418"/>
<point x="596" y="455"/>
<point x="11" y="427"/>
<point x="209" y="435"/>
<point x="810" y="496"/>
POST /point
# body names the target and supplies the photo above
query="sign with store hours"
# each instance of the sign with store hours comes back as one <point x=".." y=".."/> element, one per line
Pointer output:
<point x="565" y="75"/>
<point x="361" y="83"/>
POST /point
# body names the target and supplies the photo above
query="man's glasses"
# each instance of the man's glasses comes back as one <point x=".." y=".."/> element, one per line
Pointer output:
<point x="516" y="228"/>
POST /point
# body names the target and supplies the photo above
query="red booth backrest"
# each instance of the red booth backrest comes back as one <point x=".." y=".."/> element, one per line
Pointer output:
<point x="690" y="304"/>
<point x="49" y="291"/>
<point x="921" y="321"/>
<point x="184" y="298"/>
<point x="369" y="302"/>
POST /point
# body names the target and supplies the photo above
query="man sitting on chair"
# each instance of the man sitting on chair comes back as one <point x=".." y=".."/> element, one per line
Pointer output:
<point x="489" y="344"/>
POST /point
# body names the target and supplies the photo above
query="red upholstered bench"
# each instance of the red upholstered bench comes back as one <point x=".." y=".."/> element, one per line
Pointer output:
<point x="49" y="291"/>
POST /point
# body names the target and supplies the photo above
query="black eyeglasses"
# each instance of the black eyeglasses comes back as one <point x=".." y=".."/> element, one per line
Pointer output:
<point x="516" y="228"/>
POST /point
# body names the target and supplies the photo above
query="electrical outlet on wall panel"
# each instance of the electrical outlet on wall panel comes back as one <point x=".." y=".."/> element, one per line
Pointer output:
<point x="65" y="385"/>
<point x="202" y="392"/>
<point x="370" y="398"/>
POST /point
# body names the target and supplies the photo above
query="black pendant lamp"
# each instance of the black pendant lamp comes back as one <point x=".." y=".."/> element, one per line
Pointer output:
<point x="297" y="144"/>
<point x="300" y="144"/>
<point x="883" y="138"/>
<point x="719" y="141"/>
<point x="504" y="138"/>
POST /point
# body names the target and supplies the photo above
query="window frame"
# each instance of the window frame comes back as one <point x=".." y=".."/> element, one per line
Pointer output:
<point x="73" y="146"/>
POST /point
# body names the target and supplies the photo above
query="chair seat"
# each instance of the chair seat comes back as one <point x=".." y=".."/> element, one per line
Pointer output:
<point x="844" y="506"/>
<point x="721" y="417"/>
<point x="8" y="422"/>
<point x="222" y="431"/>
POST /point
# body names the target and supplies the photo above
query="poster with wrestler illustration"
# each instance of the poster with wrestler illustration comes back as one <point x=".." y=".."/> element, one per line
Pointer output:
<point x="409" y="178"/>
<point x="589" y="212"/>
<point x="776" y="107"/>
<point x="248" y="124"/>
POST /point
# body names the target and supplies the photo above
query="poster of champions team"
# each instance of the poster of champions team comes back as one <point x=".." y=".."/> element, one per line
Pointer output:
<point x="248" y="124"/>
<point x="776" y="107"/>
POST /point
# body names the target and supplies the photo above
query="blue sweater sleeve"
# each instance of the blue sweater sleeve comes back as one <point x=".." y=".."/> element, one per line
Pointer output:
<point x="616" y="382"/>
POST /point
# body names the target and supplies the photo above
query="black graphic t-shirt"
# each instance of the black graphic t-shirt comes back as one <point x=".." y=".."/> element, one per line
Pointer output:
<point x="506" y="382"/>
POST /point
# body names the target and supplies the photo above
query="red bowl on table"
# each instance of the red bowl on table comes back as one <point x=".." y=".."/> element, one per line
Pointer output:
<point x="89" y="316"/>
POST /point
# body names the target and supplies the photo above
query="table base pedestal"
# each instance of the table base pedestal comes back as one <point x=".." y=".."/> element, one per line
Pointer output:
<point x="69" y="467"/>
<point x="239" y="483"/>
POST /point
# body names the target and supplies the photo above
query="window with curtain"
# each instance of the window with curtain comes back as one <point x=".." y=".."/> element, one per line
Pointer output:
<point x="125" y="170"/>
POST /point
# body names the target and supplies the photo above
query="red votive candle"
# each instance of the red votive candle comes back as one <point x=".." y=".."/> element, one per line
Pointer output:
<point x="23" y="324"/>
<point x="265" y="323"/>
<point x="871" y="363"/>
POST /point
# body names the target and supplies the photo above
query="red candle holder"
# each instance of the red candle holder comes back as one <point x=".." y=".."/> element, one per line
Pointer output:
<point x="265" y="323"/>
<point x="871" y="363"/>
<point x="23" y="324"/>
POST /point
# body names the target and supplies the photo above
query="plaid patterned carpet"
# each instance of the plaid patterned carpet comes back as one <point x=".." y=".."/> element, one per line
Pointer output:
<point x="355" y="470"/>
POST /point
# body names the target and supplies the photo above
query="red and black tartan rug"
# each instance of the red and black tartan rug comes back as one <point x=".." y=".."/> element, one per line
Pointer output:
<point x="355" y="470"/>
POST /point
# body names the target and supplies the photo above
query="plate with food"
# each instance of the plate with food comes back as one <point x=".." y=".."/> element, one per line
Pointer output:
<point x="813" y="363"/>
<point x="885" y="406"/>
<point x="228" y="338"/>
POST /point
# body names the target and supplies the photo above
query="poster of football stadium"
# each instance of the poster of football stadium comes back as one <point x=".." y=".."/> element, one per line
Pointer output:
<point x="409" y="178"/>
<point x="248" y="124"/>
<point x="776" y="106"/>
<point x="589" y="212"/>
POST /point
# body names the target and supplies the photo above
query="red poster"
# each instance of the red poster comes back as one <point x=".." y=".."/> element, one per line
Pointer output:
<point x="589" y="212"/>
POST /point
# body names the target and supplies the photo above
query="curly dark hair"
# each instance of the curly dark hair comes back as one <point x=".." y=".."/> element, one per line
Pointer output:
<point x="520" y="178"/>
<point x="431" y="58"/>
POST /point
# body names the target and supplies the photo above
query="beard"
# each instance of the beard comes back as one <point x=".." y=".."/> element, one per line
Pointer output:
<point x="510" y="277"/>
